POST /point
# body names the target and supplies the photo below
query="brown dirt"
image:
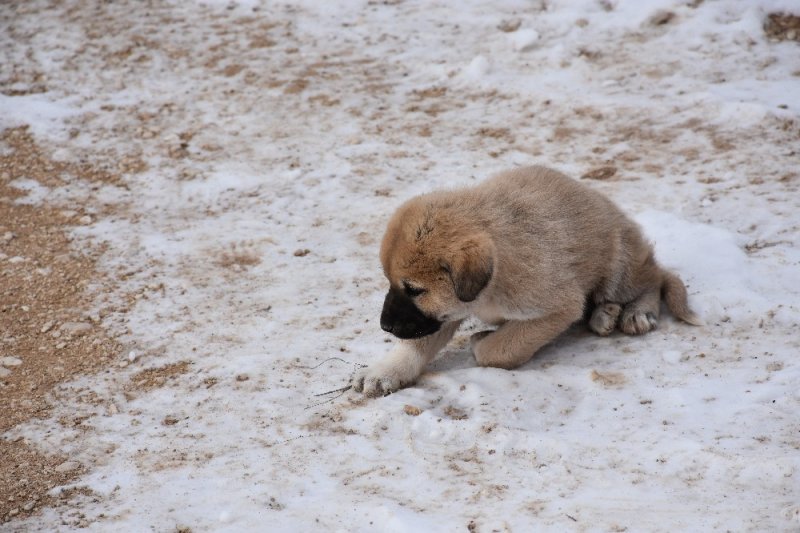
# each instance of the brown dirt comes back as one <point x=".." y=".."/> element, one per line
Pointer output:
<point x="153" y="378"/>
<point x="497" y="133"/>
<point x="238" y="258"/>
<point x="412" y="410"/>
<point x="455" y="413"/>
<point x="44" y="319"/>
<point x="600" y="173"/>
<point x="608" y="379"/>
<point x="782" y="27"/>
<point x="27" y="475"/>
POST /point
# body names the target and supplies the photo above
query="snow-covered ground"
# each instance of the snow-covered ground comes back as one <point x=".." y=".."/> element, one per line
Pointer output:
<point x="277" y="138"/>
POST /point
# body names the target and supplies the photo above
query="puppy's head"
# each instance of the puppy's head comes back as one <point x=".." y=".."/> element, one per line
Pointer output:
<point x="437" y="261"/>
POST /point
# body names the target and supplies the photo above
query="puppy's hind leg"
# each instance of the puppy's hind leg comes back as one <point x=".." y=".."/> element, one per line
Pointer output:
<point x="641" y="315"/>
<point x="604" y="318"/>
<point x="515" y="342"/>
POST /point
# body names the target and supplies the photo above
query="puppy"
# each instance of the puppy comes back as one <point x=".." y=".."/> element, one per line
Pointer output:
<point x="529" y="251"/>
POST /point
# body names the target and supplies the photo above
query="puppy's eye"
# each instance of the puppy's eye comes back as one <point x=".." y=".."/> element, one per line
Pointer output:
<point x="412" y="291"/>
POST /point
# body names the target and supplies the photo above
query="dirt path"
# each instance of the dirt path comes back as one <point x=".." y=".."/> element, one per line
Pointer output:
<point x="49" y="334"/>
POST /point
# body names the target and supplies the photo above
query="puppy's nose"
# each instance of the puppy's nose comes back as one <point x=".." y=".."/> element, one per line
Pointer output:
<point x="386" y="327"/>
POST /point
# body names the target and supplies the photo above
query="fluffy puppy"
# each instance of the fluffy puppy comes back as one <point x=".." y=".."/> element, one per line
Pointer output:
<point x="529" y="251"/>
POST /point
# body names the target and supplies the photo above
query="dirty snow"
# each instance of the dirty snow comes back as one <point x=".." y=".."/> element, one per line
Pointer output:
<point x="278" y="138"/>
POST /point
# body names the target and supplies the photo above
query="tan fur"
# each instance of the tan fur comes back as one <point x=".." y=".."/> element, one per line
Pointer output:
<point x="523" y="251"/>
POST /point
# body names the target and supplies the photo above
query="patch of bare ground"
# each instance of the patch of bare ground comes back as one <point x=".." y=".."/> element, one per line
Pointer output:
<point x="46" y="334"/>
<point x="608" y="379"/>
<point x="24" y="484"/>
<point x="782" y="27"/>
<point x="241" y="256"/>
<point x="152" y="378"/>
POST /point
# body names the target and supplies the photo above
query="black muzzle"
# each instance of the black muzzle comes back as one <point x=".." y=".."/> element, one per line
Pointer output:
<point x="403" y="319"/>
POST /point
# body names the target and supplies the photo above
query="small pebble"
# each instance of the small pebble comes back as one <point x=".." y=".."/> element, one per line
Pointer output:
<point x="85" y="219"/>
<point x="76" y="329"/>
<point x="412" y="410"/>
<point x="661" y="17"/>
<point x="68" y="466"/>
<point x="10" y="361"/>
<point x="509" y="26"/>
<point x="29" y="506"/>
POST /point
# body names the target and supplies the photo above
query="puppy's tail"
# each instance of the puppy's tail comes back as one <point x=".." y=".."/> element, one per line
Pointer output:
<point x="674" y="293"/>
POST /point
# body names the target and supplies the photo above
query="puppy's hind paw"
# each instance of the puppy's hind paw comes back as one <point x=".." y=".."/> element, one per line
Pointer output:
<point x="604" y="318"/>
<point x="637" y="322"/>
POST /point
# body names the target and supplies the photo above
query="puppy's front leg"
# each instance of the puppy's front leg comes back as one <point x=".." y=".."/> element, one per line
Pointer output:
<point x="515" y="342"/>
<point x="404" y="363"/>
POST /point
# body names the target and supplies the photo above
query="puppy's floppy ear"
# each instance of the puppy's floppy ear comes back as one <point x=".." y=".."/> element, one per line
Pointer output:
<point x="470" y="265"/>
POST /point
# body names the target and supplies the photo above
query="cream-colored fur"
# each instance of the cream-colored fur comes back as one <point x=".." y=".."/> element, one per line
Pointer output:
<point x="525" y="251"/>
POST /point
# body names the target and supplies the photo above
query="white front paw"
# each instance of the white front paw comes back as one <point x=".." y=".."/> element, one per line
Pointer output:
<point x="399" y="368"/>
<point x="377" y="381"/>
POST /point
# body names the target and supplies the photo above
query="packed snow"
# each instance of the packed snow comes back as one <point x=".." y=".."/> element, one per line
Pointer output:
<point x="279" y="137"/>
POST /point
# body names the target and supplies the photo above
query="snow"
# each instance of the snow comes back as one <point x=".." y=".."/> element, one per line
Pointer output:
<point x="35" y="192"/>
<point x="682" y="429"/>
<point x="525" y="39"/>
<point x="43" y="115"/>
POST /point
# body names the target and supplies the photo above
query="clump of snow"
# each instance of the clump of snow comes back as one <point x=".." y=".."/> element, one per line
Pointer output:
<point x="524" y="40"/>
<point x="477" y="68"/>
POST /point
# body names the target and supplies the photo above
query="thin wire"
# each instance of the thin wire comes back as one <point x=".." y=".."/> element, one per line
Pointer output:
<point x="357" y="365"/>
<point x="341" y="390"/>
<point x="329" y="400"/>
